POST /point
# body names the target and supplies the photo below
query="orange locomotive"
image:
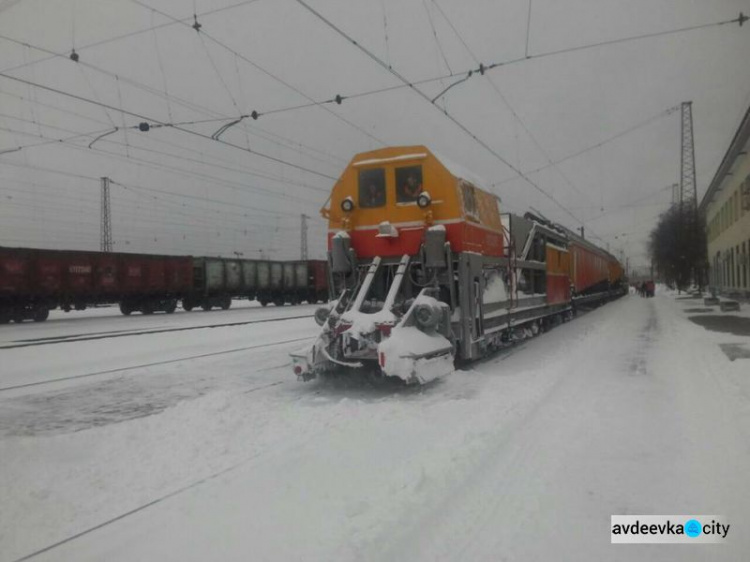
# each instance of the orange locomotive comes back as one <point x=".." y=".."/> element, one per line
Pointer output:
<point x="425" y="270"/>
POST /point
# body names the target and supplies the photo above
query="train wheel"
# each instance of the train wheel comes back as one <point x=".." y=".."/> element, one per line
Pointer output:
<point x="147" y="308"/>
<point x="226" y="303"/>
<point x="41" y="314"/>
<point x="263" y="302"/>
<point x="278" y="302"/>
<point x="125" y="308"/>
<point x="187" y="305"/>
<point x="171" y="306"/>
<point x="206" y="306"/>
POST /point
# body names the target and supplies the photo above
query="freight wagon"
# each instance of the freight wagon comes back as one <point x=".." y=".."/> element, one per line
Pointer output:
<point x="217" y="280"/>
<point x="32" y="282"/>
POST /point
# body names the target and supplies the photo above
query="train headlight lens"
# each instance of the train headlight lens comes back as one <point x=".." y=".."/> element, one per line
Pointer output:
<point x="424" y="200"/>
<point x="347" y="205"/>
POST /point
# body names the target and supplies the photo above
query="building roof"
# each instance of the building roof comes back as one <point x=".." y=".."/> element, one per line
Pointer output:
<point x="740" y="139"/>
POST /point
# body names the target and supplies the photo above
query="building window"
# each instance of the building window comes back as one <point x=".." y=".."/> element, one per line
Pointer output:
<point x="372" y="188"/>
<point x="738" y="264"/>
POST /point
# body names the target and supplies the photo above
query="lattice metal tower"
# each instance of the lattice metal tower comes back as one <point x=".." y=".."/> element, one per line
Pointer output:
<point x="106" y="218"/>
<point x="303" y="236"/>
<point x="688" y="194"/>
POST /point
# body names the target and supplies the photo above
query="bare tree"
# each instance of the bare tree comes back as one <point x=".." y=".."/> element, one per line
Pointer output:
<point x="677" y="246"/>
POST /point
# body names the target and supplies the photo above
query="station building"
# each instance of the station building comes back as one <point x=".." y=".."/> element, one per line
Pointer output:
<point x="726" y="208"/>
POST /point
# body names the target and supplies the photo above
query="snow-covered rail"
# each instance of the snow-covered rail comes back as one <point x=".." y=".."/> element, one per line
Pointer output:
<point x="124" y="333"/>
<point x="153" y="364"/>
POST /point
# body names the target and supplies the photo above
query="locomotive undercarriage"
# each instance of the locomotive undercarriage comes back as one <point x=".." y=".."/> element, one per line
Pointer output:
<point x="414" y="317"/>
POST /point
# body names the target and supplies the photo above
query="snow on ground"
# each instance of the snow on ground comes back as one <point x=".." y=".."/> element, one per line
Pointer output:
<point x="630" y="409"/>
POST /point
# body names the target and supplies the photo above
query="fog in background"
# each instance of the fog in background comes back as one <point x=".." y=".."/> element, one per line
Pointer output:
<point x="590" y="127"/>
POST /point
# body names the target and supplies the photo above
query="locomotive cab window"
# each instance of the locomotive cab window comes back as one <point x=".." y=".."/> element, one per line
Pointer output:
<point x="372" y="188"/>
<point x="408" y="183"/>
<point x="470" y="200"/>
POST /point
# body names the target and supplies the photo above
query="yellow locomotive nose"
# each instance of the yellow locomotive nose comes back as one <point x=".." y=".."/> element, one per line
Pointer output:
<point x="386" y="198"/>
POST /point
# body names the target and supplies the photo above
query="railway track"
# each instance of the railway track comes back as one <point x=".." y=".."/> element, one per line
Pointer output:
<point x="152" y="364"/>
<point x="122" y="333"/>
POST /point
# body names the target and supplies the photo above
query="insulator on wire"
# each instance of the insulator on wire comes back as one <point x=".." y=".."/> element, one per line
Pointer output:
<point x="338" y="99"/>
<point x="143" y="126"/>
<point x="197" y="26"/>
<point x="255" y="115"/>
<point x="73" y="55"/>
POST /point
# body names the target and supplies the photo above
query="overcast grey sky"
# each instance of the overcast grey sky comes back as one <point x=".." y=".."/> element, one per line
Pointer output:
<point x="177" y="192"/>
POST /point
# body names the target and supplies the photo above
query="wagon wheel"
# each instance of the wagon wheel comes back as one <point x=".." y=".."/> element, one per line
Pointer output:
<point x="41" y="314"/>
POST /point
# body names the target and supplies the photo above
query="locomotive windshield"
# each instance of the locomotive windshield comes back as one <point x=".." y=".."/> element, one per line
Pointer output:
<point x="372" y="188"/>
<point x="408" y="183"/>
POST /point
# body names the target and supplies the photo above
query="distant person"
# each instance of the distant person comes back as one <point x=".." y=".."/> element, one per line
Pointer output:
<point x="412" y="188"/>
<point x="642" y="290"/>
<point x="374" y="196"/>
<point x="650" y="288"/>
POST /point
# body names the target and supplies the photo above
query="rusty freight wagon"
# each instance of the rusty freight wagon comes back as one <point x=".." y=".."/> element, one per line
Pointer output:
<point x="33" y="281"/>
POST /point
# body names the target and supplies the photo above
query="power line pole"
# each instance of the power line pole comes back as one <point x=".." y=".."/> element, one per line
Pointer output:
<point x="688" y="211"/>
<point x="106" y="218"/>
<point x="303" y="236"/>
<point x="688" y="194"/>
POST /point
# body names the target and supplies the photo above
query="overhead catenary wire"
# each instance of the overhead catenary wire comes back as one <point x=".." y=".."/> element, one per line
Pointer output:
<point x="507" y="104"/>
<point x="262" y="70"/>
<point x="480" y="70"/>
<point x="477" y="71"/>
<point x="460" y="125"/>
<point x="235" y="186"/>
<point x="256" y="131"/>
<point x="177" y="128"/>
<point x="131" y="34"/>
<point x="598" y="144"/>
<point x="205" y="162"/>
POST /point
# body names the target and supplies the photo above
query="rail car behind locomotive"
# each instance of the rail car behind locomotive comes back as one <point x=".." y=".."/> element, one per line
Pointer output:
<point x="425" y="270"/>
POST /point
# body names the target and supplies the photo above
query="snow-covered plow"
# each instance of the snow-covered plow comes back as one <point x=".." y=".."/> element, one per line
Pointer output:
<point x="405" y="338"/>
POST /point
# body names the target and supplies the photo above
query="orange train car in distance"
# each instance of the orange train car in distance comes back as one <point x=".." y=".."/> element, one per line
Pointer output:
<point x="386" y="198"/>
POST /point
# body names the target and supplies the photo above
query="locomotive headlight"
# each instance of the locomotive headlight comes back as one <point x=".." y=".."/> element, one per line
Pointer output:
<point x="426" y="316"/>
<point x="321" y="315"/>
<point x="424" y="200"/>
<point x="347" y="205"/>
